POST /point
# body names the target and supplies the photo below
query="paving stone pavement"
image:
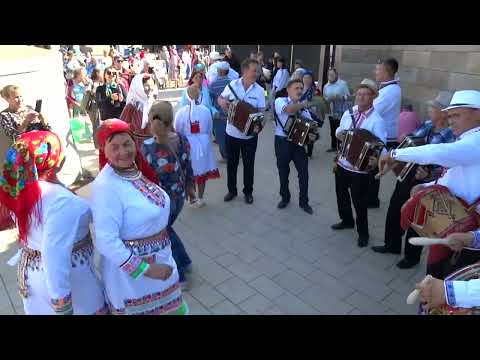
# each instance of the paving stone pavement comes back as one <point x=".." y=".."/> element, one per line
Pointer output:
<point x="255" y="259"/>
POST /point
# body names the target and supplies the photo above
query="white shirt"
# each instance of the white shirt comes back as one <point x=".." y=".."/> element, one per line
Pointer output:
<point x="212" y="73"/>
<point x="255" y="96"/>
<point x="339" y="88"/>
<point x="66" y="220"/>
<point x="282" y="115"/>
<point x="460" y="157"/>
<point x="465" y="294"/>
<point x="373" y="123"/>
<point x="387" y="104"/>
<point x="280" y="80"/>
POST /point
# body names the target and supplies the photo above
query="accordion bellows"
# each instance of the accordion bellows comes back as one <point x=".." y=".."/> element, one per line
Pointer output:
<point x="435" y="212"/>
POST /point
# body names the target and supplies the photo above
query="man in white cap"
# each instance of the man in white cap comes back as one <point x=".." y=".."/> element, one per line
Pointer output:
<point x="460" y="158"/>
<point x="434" y="131"/>
<point x="215" y="89"/>
<point x="346" y="177"/>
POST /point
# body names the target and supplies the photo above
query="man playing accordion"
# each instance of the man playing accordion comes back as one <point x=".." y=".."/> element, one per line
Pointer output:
<point x="362" y="117"/>
<point x="435" y="131"/>
<point x="287" y="151"/>
<point x="246" y="90"/>
<point x="462" y="162"/>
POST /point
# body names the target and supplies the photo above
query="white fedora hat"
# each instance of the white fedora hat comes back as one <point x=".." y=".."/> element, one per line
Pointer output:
<point x="465" y="99"/>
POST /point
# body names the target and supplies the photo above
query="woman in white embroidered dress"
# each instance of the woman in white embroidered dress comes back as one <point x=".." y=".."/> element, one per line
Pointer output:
<point x="139" y="100"/>
<point x="195" y="122"/>
<point x="130" y="217"/>
<point x="55" y="269"/>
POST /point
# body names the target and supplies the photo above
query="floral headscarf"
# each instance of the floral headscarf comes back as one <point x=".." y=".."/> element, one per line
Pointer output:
<point x="35" y="155"/>
<point x="116" y="126"/>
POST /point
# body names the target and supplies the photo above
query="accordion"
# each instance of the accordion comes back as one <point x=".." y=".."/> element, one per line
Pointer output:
<point x="297" y="129"/>
<point x="467" y="273"/>
<point x="358" y="146"/>
<point x="244" y="117"/>
<point x="435" y="212"/>
<point x="403" y="170"/>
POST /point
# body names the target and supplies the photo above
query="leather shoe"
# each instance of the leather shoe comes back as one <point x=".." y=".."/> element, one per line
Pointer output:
<point x="341" y="225"/>
<point x="331" y="150"/>
<point x="382" y="249"/>
<point x="362" y="240"/>
<point x="307" y="208"/>
<point x="249" y="199"/>
<point x="406" y="264"/>
<point x="283" y="204"/>
<point x="229" y="197"/>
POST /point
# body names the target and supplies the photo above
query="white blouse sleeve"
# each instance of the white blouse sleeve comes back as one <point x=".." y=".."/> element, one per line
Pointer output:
<point x="345" y="123"/>
<point x="463" y="294"/>
<point x="56" y="252"/>
<point x="108" y="212"/>
<point x="445" y="154"/>
<point x="179" y="122"/>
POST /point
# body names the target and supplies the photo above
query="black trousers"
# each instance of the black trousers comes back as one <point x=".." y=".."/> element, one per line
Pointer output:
<point x="357" y="183"/>
<point x="374" y="185"/>
<point x="393" y="231"/>
<point x="334" y="124"/>
<point x="286" y="152"/>
<point x="248" y="148"/>
<point x="310" y="149"/>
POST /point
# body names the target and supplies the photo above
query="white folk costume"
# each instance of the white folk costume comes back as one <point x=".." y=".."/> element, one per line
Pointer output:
<point x="55" y="263"/>
<point x="461" y="178"/>
<point x="387" y="104"/>
<point x="130" y="217"/>
<point x="195" y="122"/>
<point x="136" y="109"/>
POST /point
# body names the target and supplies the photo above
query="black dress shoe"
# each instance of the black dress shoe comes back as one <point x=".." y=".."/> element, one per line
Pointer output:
<point x="230" y="196"/>
<point x="331" y="150"/>
<point x="341" y="225"/>
<point x="362" y="240"/>
<point x="406" y="264"/>
<point x="382" y="249"/>
<point x="249" y="199"/>
<point x="283" y="204"/>
<point x="307" y="208"/>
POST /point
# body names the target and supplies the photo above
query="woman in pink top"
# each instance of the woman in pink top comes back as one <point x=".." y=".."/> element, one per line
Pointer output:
<point x="407" y="122"/>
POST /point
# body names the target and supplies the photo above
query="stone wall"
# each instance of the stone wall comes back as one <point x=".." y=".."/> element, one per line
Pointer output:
<point x="423" y="69"/>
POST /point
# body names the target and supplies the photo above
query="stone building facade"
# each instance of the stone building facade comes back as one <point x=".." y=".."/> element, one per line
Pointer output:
<point x="423" y="69"/>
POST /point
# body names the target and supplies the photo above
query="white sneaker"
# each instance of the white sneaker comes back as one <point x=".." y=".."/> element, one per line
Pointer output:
<point x="200" y="203"/>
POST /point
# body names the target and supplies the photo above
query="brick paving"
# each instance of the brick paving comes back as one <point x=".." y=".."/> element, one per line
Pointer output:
<point x="255" y="259"/>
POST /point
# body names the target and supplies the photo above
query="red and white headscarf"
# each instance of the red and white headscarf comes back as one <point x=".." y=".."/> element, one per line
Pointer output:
<point x="35" y="155"/>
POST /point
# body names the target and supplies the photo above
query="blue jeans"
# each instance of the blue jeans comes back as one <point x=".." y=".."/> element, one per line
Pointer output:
<point x="178" y="250"/>
<point x="219" y="126"/>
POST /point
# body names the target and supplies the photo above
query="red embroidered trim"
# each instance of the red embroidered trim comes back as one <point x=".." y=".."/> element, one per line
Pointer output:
<point x="210" y="175"/>
<point x="150" y="190"/>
